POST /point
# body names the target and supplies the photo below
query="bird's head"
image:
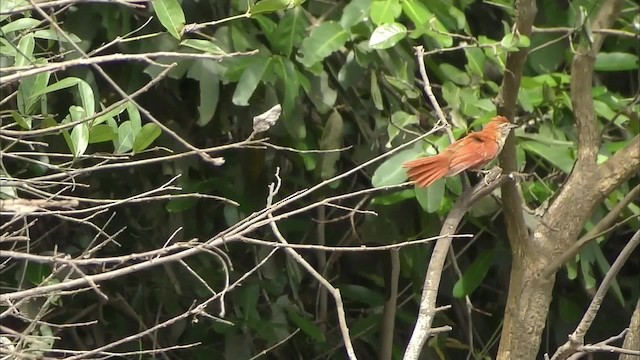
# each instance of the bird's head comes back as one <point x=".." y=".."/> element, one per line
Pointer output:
<point x="500" y="124"/>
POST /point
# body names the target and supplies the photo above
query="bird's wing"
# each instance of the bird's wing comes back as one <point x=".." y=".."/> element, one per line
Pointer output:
<point x="472" y="151"/>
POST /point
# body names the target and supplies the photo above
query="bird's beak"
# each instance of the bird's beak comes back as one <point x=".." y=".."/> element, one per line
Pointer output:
<point x="513" y="126"/>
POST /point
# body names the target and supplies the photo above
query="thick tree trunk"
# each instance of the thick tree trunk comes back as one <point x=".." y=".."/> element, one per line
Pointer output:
<point x="530" y="294"/>
<point x="632" y="339"/>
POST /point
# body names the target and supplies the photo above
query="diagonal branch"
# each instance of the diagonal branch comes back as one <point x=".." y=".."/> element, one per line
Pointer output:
<point x="342" y="319"/>
<point x="593" y="234"/>
<point x="422" y="329"/>
<point x="576" y="339"/>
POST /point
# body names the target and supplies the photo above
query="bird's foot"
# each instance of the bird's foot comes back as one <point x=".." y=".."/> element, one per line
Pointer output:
<point x="490" y="175"/>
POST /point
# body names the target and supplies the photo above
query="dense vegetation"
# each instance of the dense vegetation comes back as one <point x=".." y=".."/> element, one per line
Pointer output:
<point x="144" y="196"/>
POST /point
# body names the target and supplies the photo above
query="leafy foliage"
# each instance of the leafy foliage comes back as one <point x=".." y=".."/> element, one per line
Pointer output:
<point x="345" y="75"/>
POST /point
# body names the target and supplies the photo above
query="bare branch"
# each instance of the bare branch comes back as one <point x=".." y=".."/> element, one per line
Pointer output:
<point x="53" y="3"/>
<point x="569" y="30"/>
<point x="25" y="71"/>
<point x="576" y="339"/>
<point x="432" y="98"/>
<point x="426" y="314"/>
<point x="594" y="233"/>
<point x="344" y="329"/>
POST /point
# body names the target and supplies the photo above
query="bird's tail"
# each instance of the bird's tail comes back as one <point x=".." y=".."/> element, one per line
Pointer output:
<point x="425" y="171"/>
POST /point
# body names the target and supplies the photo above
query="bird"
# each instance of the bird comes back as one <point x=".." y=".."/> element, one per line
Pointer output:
<point x="472" y="152"/>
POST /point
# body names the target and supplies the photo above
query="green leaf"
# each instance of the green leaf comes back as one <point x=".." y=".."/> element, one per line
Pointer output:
<point x="604" y="266"/>
<point x="54" y="35"/>
<point x="134" y="117"/>
<point x="355" y="12"/>
<point x="269" y="6"/>
<point x="452" y="94"/>
<point x="485" y="206"/>
<point x="425" y="22"/>
<point x="249" y="295"/>
<point x="36" y="273"/>
<point x="559" y="156"/>
<point x="362" y="294"/>
<point x="87" y="98"/>
<point x="307" y="326"/>
<point x="587" y="258"/>
<point x="249" y="81"/>
<point x="28" y="86"/>
<point x="454" y="74"/>
<point x="475" y="60"/>
<point x="331" y="139"/>
<point x="525" y="101"/>
<point x="394" y="198"/>
<point x="101" y="133"/>
<point x="572" y="270"/>
<point x="387" y="35"/>
<point x="376" y="94"/>
<point x="385" y="11"/>
<point x="399" y="120"/>
<point x="406" y="88"/>
<point x="524" y="41"/>
<point x="125" y="139"/>
<point x="447" y="13"/>
<point x="203" y="45"/>
<point x="205" y="71"/>
<point x="616" y="61"/>
<point x="62" y="84"/>
<point x="24" y="122"/>
<point x="110" y="114"/>
<point x="430" y="198"/>
<point x="287" y="73"/>
<point x="7" y="48"/>
<point x="180" y="204"/>
<point x="291" y="31"/>
<point x="19" y="25"/>
<point x="511" y="42"/>
<point x="267" y="26"/>
<point x="546" y="60"/>
<point x="80" y="139"/>
<point x="24" y="55"/>
<point x="322" y="42"/>
<point x="7" y="6"/>
<point x="321" y="94"/>
<point x="391" y="172"/>
<point x="170" y="15"/>
<point x="454" y="184"/>
<point x="473" y="276"/>
<point x="147" y="135"/>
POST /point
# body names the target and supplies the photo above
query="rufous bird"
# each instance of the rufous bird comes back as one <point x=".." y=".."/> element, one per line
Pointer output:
<point x="472" y="152"/>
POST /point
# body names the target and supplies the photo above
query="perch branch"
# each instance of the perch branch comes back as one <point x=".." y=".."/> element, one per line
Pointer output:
<point x="422" y="329"/>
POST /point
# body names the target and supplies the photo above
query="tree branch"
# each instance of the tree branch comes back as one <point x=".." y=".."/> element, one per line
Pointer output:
<point x="506" y="103"/>
<point x="576" y="339"/>
<point x="344" y="329"/>
<point x="422" y="329"/>
<point x="605" y="223"/>
<point x="632" y="337"/>
<point x="619" y="167"/>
